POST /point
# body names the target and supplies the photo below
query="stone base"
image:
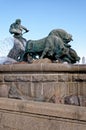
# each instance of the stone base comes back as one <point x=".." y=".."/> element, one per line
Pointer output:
<point x="27" y="115"/>
<point x="42" y="89"/>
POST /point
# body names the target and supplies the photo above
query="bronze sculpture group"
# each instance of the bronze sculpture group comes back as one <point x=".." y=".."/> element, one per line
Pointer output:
<point x="55" y="46"/>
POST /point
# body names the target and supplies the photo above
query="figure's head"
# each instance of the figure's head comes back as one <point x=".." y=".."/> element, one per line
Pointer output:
<point x="18" y="21"/>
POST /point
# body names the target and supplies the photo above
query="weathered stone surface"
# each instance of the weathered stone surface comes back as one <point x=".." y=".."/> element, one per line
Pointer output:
<point x="43" y="81"/>
<point x="47" y="67"/>
<point x="72" y="100"/>
<point x="1" y="78"/>
<point x="45" y="78"/>
<point x="4" y="90"/>
<point x="17" y="78"/>
<point x="21" y="115"/>
<point x="79" y="77"/>
<point x="82" y="88"/>
<point x="72" y="88"/>
<point x="66" y="78"/>
<point x="48" y="84"/>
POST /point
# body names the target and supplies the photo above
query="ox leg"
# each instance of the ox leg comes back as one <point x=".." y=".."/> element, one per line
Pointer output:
<point x="44" y="53"/>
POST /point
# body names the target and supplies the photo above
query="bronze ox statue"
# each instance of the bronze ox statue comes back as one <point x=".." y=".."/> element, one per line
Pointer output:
<point x="55" y="46"/>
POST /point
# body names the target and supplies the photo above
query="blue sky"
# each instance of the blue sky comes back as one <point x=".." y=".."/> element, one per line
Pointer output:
<point x="42" y="16"/>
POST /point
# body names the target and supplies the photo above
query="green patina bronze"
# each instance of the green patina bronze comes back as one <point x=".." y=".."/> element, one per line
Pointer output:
<point x="18" y="30"/>
<point x="55" y="46"/>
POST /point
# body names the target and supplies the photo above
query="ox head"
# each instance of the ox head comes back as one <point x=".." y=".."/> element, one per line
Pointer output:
<point x="66" y="37"/>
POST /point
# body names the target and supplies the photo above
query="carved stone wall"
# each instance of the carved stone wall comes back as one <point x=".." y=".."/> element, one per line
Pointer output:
<point x="42" y="82"/>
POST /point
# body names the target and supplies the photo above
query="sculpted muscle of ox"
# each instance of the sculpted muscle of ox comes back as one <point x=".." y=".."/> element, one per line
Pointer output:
<point x="55" y="46"/>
